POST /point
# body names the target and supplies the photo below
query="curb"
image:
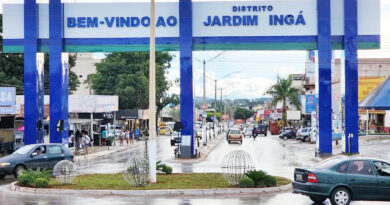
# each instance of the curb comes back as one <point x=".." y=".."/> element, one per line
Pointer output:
<point x="151" y="193"/>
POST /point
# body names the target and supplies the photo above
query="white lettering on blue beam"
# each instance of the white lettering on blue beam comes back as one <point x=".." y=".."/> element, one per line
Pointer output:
<point x="119" y="22"/>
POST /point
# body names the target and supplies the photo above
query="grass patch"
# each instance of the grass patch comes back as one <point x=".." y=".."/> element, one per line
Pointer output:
<point x="172" y="181"/>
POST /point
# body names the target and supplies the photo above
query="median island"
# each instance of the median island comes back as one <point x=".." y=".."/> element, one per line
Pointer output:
<point x="164" y="181"/>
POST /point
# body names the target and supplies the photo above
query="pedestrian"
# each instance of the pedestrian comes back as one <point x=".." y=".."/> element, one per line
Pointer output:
<point x="104" y="138"/>
<point x="131" y="138"/>
<point x="137" y="133"/>
<point x="86" y="142"/>
<point x="127" y="137"/>
<point x="70" y="139"/>
<point x="121" y="136"/>
<point x="77" y="139"/>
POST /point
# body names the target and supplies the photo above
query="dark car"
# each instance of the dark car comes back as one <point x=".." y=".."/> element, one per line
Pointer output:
<point x="44" y="156"/>
<point x="262" y="129"/>
<point x="343" y="179"/>
<point x="290" y="134"/>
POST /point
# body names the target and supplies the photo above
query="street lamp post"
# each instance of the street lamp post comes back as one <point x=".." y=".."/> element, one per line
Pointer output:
<point x="204" y="114"/>
<point x="152" y="97"/>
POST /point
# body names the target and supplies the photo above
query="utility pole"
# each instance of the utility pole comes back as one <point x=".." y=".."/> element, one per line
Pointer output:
<point x="152" y="97"/>
<point x="220" y="106"/>
<point x="204" y="135"/>
<point x="215" y="107"/>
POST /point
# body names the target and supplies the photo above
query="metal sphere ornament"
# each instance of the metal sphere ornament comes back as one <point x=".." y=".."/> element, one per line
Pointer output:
<point x="64" y="171"/>
<point x="235" y="165"/>
<point x="136" y="171"/>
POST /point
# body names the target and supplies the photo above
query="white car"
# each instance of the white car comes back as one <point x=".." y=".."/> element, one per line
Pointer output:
<point x="248" y="131"/>
<point x="304" y="134"/>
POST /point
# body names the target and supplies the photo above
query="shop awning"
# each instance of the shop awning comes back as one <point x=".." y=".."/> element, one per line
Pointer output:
<point x="379" y="98"/>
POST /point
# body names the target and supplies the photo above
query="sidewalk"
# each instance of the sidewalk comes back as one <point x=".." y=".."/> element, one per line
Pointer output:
<point x="97" y="151"/>
<point x="203" y="150"/>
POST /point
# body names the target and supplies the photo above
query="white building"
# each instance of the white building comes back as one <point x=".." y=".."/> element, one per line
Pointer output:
<point x="85" y="66"/>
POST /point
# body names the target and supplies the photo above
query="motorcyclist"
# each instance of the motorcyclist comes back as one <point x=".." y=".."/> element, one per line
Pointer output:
<point x="254" y="132"/>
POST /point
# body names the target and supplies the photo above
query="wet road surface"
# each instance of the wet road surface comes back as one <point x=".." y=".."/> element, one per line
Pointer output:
<point x="275" y="156"/>
<point x="285" y="198"/>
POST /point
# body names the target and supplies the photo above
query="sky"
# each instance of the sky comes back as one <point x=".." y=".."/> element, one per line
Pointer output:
<point x="248" y="74"/>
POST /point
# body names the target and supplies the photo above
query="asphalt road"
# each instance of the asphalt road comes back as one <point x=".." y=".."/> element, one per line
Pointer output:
<point x="275" y="156"/>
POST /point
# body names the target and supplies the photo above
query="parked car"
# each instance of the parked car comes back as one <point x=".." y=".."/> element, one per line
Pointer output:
<point x="44" y="156"/>
<point x="262" y="129"/>
<point x="166" y="130"/>
<point x="290" y="134"/>
<point x="343" y="179"/>
<point x="235" y="135"/>
<point x="304" y="134"/>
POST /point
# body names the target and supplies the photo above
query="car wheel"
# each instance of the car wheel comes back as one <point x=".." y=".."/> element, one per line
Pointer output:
<point x="318" y="199"/>
<point x="341" y="196"/>
<point x="285" y="138"/>
<point x="229" y="141"/>
<point x="19" y="170"/>
<point x="241" y="141"/>
<point x="307" y="139"/>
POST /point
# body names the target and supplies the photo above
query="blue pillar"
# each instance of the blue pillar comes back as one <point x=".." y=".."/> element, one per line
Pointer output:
<point x="351" y="76"/>
<point x="58" y="73"/>
<point x="325" y="80"/>
<point x="33" y="80"/>
<point x="186" y="90"/>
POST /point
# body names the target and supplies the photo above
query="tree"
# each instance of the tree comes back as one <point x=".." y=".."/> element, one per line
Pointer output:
<point x="283" y="91"/>
<point x="127" y="75"/>
<point x="12" y="69"/>
<point x="242" y="113"/>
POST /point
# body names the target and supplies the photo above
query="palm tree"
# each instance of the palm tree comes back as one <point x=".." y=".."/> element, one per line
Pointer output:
<point x="283" y="91"/>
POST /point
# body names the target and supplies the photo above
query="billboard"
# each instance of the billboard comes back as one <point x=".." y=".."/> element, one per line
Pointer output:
<point x="368" y="84"/>
<point x="310" y="103"/>
<point x="7" y="96"/>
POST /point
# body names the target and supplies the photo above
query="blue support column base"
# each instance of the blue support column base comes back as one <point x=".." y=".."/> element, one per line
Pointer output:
<point x="58" y="74"/>
<point x="351" y="76"/>
<point x="325" y="78"/>
<point x="33" y="76"/>
<point x="186" y="80"/>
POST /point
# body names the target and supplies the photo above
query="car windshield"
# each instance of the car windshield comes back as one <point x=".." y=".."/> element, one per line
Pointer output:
<point x="235" y="132"/>
<point x="328" y="163"/>
<point x="304" y="130"/>
<point x="24" y="150"/>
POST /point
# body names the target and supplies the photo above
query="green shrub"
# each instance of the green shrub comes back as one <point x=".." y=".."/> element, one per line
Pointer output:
<point x="246" y="182"/>
<point x="258" y="176"/>
<point x="163" y="167"/>
<point x="29" y="177"/>
<point x="167" y="170"/>
<point x="25" y="180"/>
<point x="38" y="173"/>
<point x="270" y="181"/>
<point x="41" y="183"/>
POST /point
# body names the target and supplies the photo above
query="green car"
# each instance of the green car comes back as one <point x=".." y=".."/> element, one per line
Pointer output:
<point x="43" y="156"/>
<point x="343" y="179"/>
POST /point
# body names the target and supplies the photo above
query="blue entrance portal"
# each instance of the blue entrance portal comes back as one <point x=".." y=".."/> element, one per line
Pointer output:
<point x="187" y="26"/>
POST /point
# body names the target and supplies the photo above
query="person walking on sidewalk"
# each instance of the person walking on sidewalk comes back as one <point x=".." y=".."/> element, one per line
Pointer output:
<point x="121" y="136"/>
<point x="127" y="136"/>
<point x="104" y="138"/>
<point x="137" y="133"/>
<point x="131" y="138"/>
<point x="77" y="139"/>
<point x="86" y="141"/>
